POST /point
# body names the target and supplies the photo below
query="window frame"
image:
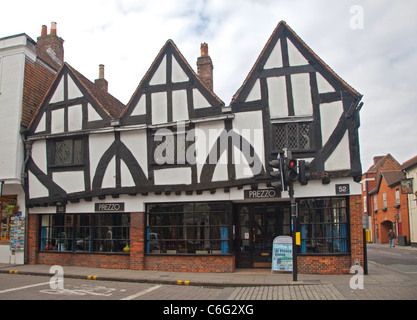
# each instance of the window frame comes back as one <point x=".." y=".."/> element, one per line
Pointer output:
<point x="177" y="240"/>
<point x="59" y="233"/>
<point x="52" y="152"/>
<point x="286" y="124"/>
<point x="340" y="236"/>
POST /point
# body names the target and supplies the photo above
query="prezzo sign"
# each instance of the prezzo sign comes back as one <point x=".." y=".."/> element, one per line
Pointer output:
<point x="261" y="194"/>
<point x="110" y="207"/>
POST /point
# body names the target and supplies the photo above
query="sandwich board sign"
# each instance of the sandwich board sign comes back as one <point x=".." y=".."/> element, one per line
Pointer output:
<point x="282" y="254"/>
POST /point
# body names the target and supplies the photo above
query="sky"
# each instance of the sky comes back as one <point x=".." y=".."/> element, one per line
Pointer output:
<point x="371" y="44"/>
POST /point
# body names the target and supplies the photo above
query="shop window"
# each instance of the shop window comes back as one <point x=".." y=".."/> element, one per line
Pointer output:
<point x="292" y="136"/>
<point x="67" y="152"/>
<point x="188" y="228"/>
<point x="85" y="232"/>
<point x="324" y="226"/>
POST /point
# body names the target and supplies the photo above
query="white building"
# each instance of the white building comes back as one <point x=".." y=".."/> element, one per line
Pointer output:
<point x="24" y="79"/>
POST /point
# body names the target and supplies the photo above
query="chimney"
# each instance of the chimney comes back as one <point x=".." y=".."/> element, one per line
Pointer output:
<point x="50" y="47"/>
<point x="101" y="82"/>
<point x="205" y="67"/>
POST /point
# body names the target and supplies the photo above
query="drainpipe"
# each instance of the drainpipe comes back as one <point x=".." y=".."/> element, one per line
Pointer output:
<point x="28" y="154"/>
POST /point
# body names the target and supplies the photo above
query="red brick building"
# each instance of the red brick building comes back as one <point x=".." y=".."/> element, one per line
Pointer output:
<point x="383" y="201"/>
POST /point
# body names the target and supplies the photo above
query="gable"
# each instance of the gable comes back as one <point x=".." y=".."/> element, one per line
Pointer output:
<point x="170" y="92"/>
<point x="307" y="108"/>
<point x="69" y="106"/>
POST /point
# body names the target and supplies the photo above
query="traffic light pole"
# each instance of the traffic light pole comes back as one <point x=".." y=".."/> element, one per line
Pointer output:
<point x="294" y="229"/>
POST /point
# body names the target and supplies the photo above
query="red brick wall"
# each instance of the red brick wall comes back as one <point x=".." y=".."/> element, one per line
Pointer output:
<point x="210" y="263"/>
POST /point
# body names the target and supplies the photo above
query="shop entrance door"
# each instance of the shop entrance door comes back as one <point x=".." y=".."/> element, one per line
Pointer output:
<point x="257" y="227"/>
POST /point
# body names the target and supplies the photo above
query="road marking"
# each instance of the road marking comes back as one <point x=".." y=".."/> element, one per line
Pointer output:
<point x="133" y="296"/>
<point x="25" y="287"/>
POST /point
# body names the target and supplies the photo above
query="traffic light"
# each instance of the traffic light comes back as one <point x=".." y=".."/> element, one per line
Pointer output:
<point x="279" y="182"/>
<point x="303" y="173"/>
<point x="291" y="172"/>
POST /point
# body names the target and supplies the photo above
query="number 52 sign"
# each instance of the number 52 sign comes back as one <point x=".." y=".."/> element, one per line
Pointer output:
<point x="342" y="189"/>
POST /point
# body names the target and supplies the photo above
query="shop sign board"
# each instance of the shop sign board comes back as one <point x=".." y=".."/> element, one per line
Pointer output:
<point x="261" y="194"/>
<point x="282" y="254"/>
<point x="110" y="207"/>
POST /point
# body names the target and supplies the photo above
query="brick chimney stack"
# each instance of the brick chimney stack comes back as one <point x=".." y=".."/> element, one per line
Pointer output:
<point x="101" y="82"/>
<point x="205" y="67"/>
<point x="50" y="47"/>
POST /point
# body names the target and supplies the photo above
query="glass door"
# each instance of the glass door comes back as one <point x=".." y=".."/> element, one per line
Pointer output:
<point x="258" y="225"/>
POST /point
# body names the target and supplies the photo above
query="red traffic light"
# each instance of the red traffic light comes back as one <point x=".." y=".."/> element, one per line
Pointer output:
<point x="292" y="163"/>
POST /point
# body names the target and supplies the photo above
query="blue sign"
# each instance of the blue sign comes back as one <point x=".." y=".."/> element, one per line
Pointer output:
<point x="282" y="254"/>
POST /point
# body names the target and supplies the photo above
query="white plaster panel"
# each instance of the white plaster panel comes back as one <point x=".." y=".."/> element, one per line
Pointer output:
<point x="206" y="135"/>
<point x="93" y="114"/>
<point x="295" y="56"/>
<point x="199" y="100"/>
<point x="323" y="85"/>
<point x="172" y="176"/>
<point x="275" y="58"/>
<point x="70" y="181"/>
<point x="98" y="144"/>
<point x="59" y="92"/>
<point x="36" y="188"/>
<point x="160" y="75"/>
<point x="178" y="74"/>
<point x="73" y="90"/>
<point x="220" y="172"/>
<point x="179" y="105"/>
<point x="340" y="158"/>
<point x="75" y="118"/>
<point x="301" y="93"/>
<point x="277" y="93"/>
<point x="41" y="127"/>
<point x="250" y="126"/>
<point x="159" y="108"/>
<point x="135" y="141"/>
<point x="126" y="177"/>
<point x="57" y="121"/>
<point x="140" y="107"/>
<point x="109" y="179"/>
<point x="330" y="114"/>
<point x="255" y="93"/>
<point x="39" y="154"/>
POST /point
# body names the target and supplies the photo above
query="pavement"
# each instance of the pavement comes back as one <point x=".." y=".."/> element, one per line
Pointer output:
<point x="380" y="283"/>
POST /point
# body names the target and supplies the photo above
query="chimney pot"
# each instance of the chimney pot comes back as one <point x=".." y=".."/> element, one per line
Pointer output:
<point x="101" y="71"/>
<point x="53" y="27"/>
<point x="204" y="49"/>
<point x="101" y="82"/>
<point x="44" y="31"/>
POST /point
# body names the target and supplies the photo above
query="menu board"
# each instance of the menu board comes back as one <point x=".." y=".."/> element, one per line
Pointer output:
<point x="17" y="233"/>
<point x="282" y="254"/>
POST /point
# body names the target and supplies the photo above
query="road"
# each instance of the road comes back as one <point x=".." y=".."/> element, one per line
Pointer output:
<point x="392" y="276"/>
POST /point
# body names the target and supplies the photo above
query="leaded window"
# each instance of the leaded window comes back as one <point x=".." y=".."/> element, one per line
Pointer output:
<point x="68" y="152"/>
<point x="292" y="136"/>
